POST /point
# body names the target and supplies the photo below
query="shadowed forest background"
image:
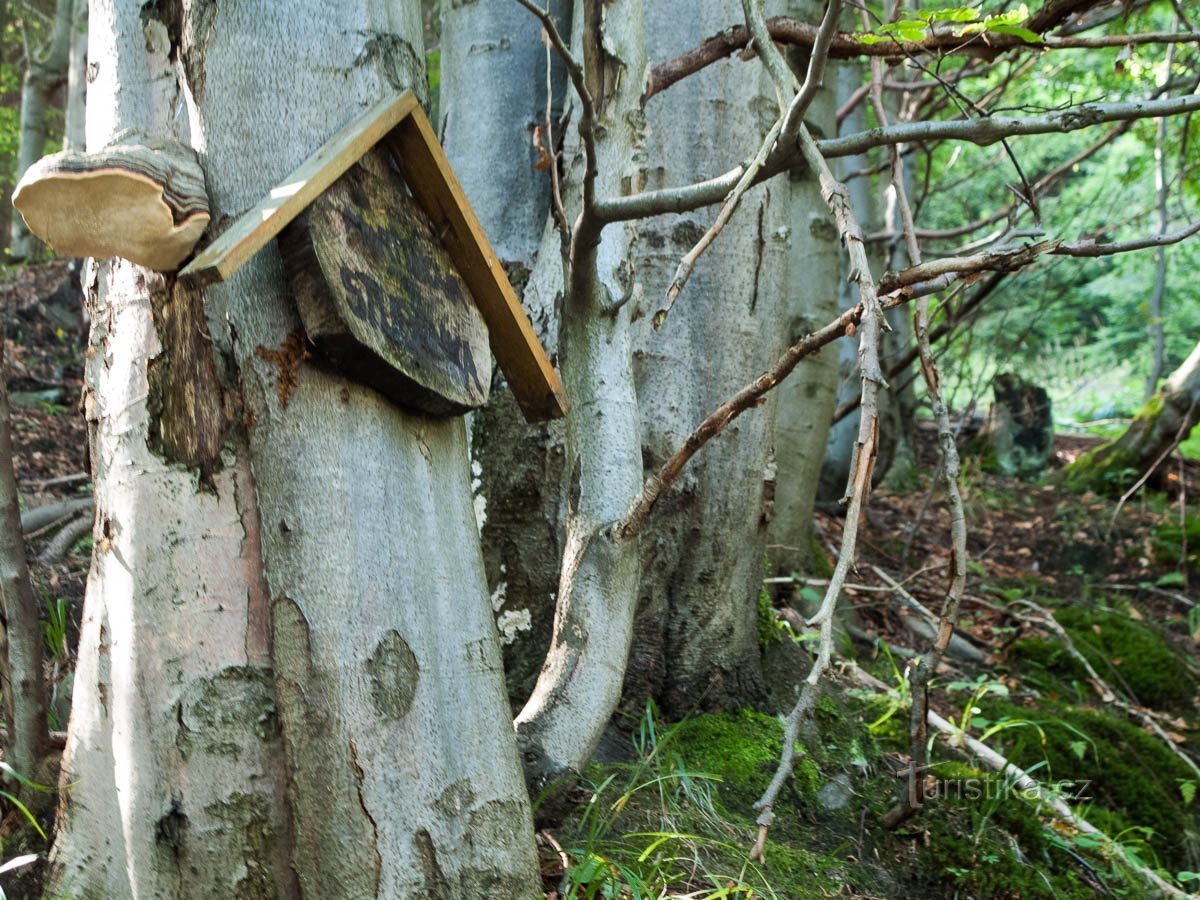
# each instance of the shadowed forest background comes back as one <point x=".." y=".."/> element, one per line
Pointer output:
<point x="865" y="561"/>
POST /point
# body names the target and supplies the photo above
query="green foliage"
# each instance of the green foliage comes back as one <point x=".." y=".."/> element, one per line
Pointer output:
<point x="55" y="627"/>
<point x="1177" y="543"/>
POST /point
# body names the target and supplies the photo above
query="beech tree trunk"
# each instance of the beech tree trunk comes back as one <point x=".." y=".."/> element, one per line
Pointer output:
<point x="75" y="114"/>
<point x="1164" y="421"/>
<point x="44" y="71"/>
<point x="807" y="398"/>
<point x="580" y="682"/>
<point x="289" y="680"/>
<point x="696" y="642"/>
<point x="493" y="97"/>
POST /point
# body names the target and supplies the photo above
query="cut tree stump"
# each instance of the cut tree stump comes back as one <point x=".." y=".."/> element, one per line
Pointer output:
<point x="380" y="296"/>
<point x="1017" y="438"/>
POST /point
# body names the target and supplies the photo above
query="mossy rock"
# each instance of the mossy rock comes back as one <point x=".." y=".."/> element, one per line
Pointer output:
<point x="1130" y="778"/>
<point x="1047" y="665"/>
<point x="1125" y="652"/>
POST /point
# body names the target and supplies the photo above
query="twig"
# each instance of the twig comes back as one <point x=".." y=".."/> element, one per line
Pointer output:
<point x="835" y="196"/>
<point x="587" y="120"/>
<point x="843" y="45"/>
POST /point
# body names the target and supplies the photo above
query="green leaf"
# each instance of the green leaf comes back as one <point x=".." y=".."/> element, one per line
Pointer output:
<point x="1188" y="790"/>
<point x="1172" y="579"/>
<point x="957" y="14"/>
<point x="1079" y="748"/>
<point x="1030" y="37"/>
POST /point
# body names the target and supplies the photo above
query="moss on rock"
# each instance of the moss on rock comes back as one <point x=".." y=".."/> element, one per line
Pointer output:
<point x="1125" y="652"/>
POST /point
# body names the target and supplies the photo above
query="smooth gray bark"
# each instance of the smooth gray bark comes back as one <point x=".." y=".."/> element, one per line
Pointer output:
<point x="75" y="114"/>
<point x="289" y="682"/>
<point x="580" y="682"/>
<point x="702" y="555"/>
<point x="44" y="70"/>
<point x="493" y="94"/>
<point x="806" y="400"/>
<point x="493" y="97"/>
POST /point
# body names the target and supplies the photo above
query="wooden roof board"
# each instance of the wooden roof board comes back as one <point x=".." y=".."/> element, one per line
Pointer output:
<point x="401" y="123"/>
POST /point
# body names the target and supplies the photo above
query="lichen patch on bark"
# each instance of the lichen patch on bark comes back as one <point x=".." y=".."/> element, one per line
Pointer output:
<point x="394" y="673"/>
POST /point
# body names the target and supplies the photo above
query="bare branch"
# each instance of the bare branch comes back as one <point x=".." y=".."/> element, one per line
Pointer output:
<point x="922" y="671"/>
<point x="587" y="120"/>
<point x="981" y="131"/>
<point x="1091" y="248"/>
<point x="815" y="74"/>
<point x="844" y="45"/>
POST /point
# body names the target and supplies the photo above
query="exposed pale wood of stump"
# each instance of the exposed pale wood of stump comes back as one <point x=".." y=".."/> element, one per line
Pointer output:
<point x="381" y="298"/>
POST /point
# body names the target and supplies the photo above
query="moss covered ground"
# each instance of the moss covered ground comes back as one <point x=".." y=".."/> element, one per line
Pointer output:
<point x="677" y="817"/>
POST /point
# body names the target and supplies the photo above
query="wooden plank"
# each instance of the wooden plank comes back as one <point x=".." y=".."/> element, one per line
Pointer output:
<point x="516" y="347"/>
<point x="254" y="228"/>
<point x="380" y="296"/>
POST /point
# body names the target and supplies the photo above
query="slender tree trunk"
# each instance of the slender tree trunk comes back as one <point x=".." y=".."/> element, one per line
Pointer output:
<point x="1159" y="290"/>
<point x="806" y="400"/>
<point x="44" y="71"/>
<point x="493" y="98"/>
<point x="580" y="682"/>
<point x="289" y="681"/>
<point x="1162" y="423"/>
<point x="26" y="693"/>
<point x="75" y="124"/>
<point x="897" y="405"/>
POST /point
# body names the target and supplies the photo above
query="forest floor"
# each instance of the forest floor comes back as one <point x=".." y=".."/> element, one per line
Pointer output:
<point x="675" y="817"/>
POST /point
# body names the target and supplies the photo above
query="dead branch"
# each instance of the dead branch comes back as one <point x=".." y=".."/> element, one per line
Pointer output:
<point x="66" y="538"/>
<point x="845" y="45"/>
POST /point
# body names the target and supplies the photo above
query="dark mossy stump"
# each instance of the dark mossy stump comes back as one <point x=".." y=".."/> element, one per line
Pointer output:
<point x="1018" y="437"/>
